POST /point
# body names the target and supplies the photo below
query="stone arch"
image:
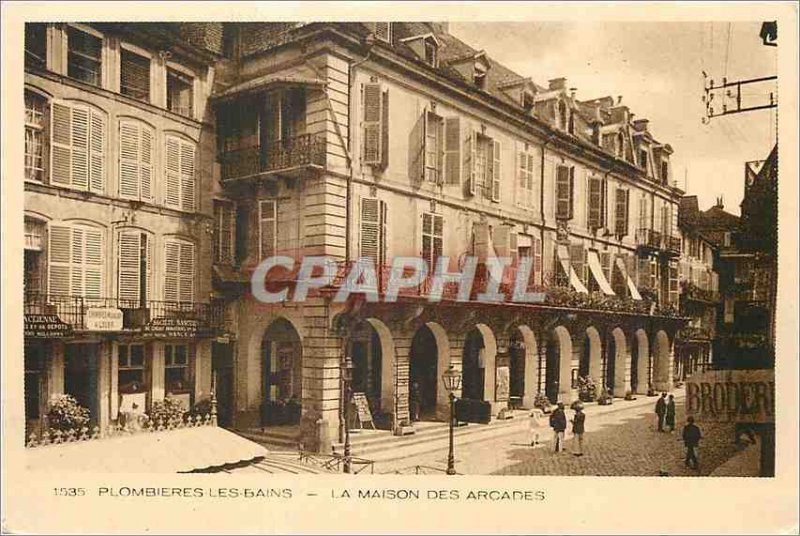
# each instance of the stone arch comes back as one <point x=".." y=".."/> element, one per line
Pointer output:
<point x="591" y="358"/>
<point x="281" y="373"/>
<point x="427" y="370"/>
<point x="622" y="363"/>
<point x="641" y="363"/>
<point x="558" y="381"/>
<point x="530" y="380"/>
<point x="662" y="380"/>
<point x="384" y="383"/>
<point x="486" y="361"/>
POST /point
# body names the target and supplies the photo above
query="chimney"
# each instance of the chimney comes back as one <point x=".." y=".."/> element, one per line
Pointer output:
<point x="640" y="125"/>
<point x="719" y="204"/>
<point x="619" y="100"/>
<point x="557" y="83"/>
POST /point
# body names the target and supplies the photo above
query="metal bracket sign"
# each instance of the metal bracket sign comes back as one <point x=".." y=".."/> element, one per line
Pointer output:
<point x="732" y="396"/>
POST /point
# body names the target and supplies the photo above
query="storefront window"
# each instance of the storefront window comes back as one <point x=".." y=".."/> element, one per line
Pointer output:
<point x="35" y="109"/>
<point x="131" y="368"/>
<point x="176" y="368"/>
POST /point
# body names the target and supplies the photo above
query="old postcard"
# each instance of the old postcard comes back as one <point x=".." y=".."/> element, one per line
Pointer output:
<point x="399" y="268"/>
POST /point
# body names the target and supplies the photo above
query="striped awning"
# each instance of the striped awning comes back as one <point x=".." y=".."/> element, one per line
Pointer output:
<point x="631" y="285"/>
<point x="597" y="273"/>
<point x="574" y="280"/>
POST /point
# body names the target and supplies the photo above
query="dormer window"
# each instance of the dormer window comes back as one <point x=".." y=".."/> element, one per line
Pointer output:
<point x="620" y="144"/>
<point x="562" y="114"/>
<point x="643" y="158"/>
<point x="382" y="31"/>
<point x="527" y="99"/>
<point x="571" y="125"/>
<point x="665" y="171"/>
<point x="430" y="53"/>
<point x="479" y="75"/>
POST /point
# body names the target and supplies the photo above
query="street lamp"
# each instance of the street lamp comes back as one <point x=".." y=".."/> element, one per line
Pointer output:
<point x="347" y="376"/>
<point x="452" y="383"/>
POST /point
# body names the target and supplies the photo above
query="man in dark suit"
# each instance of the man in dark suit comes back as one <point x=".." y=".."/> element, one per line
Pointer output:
<point x="691" y="438"/>
<point x="558" y="422"/>
<point x="661" y="411"/>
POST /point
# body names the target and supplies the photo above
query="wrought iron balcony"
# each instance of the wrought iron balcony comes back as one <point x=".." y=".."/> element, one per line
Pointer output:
<point x="281" y="156"/>
<point x="694" y="293"/>
<point x="672" y="245"/>
<point x="648" y="239"/>
<point x="151" y="317"/>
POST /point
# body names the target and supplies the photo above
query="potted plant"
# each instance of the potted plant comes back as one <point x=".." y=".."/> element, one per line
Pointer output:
<point x="66" y="414"/>
<point x="605" y="399"/>
<point x="587" y="390"/>
<point x="167" y="411"/>
<point x="542" y="402"/>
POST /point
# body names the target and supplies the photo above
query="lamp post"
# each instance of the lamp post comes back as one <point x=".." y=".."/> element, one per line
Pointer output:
<point x="452" y="382"/>
<point x="347" y="375"/>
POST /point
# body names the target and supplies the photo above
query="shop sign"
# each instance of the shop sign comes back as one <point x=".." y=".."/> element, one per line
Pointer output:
<point x="46" y="326"/>
<point x="732" y="396"/>
<point x="103" y="319"/>
<point x="178" y="328"/>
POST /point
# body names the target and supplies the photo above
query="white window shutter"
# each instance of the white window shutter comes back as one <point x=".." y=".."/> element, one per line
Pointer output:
<point x="370" y="228"/>
<point x="146" y="164"/>
<point x="61" y="144"/>
<point x="470" y="167"/>
<point x="129" y="160"/>
<point x="129" y="265"/>
<point x="97" y="145"/>
<point x="148" y="263"/>
<point x="186" y="290"/>
<point x="372" y="124"/>
<point x="171" y="270"/>
<point x="59" y="250"/>
<point x="187" y="183"/>
<point x="416" y="147"/>
<point x="452" y="151"/>
<point x="93" y="263"/>
<point x="78" y="246"/>
<point x="80" y="148"/>
<point x="173" y="168"/>
<point x="495" y="186"/>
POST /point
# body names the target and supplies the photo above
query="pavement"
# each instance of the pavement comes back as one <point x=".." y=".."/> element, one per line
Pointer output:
<point x="620" y="440"/>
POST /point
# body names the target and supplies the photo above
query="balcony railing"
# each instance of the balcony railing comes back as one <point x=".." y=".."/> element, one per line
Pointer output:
<point x="648" y="238"/>
<point x="695" y="293"/>
<point x="149" y="317"/>
<point x="672" y="244"/>
<point x="280" y="155"/>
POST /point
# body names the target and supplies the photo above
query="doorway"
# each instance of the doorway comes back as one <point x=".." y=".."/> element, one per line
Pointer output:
<point x="423" y="375"/>
<point x="473" y="371"/>
<point x="281" y="382"/>
<point x="516" y="356"/>
<point x="222" y="366"/>
<point x="80" y="376"/>
<point x="552" y="356"/>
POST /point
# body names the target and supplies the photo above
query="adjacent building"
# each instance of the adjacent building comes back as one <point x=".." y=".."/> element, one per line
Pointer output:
<point x="165" y="162"/>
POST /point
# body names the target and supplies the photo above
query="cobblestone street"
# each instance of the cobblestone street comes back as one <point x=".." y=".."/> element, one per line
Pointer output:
<point x="623" y="442"/>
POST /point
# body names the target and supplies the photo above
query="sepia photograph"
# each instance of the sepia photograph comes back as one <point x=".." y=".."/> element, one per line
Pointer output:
<point x="445" y="247"/>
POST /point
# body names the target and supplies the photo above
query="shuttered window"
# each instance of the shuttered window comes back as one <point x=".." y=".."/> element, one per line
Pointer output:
<point x="621" y="202"/>
<point x="180" y="174"/>
<point x="674" y="287"/>
<point x="375" y="126"/>
<point x="383" y="31"/>
<point x="267" y="228"/>
<point x="493" y="184"/>
<point x="135" y="160"/>
<point x="538" y="267"/>
<point x="224" y="232"/>
<point x="134" y="75"/>
<point x="373" y="231"/>
<point x="433" y="148"/>
<point x="452" y="151"/>
<point x="643" y="222"/>
<point x="577" y="259"/>
<point x="179" y="269"/>
<point x="432" y="238"/>
<point x="35" y="120"/>
<point x="75" y="261"/>
<point x="77" y="154"/>
<point x="525" y="179"/>
<point x="84" y="56"/>
<point x="565" y="186"/>
<point x="180" y="93"/>
<point x="595" y="218"/>
<point x="134" y="267"/>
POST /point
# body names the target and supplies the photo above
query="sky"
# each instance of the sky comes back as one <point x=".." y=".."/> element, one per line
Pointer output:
<point x="657" y="68"/>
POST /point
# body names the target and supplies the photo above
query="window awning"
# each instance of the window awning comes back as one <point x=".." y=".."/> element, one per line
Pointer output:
<point x="574" y="280"/>
<point x="631" y="285"/>
<point x="181" y="450"/>
<point x="263" y="83"/>
<point x="597" y="272"/>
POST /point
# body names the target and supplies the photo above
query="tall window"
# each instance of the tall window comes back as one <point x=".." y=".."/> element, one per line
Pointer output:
<point x="35" y="113"/>
<point x="135" y="160"/>
<point x="76" y="261"/>
<point x="77" y="149"/>
<point x="180" y="184"/>
<point x="130" y="361"/>
<point x="134" y="75"/>
<point x="134" y="262"/>
<point x="621" y="203"/>
<point x="430" y="53"/>
<point x="565" y="186"/>
<point x="84" y="55"/>
<point x="373" y="230"/>
<point x="36" y="45"/>
<point x="433" y="148"/>
<point x="643" y="159"/>
<point x="375" y="125"/>
<point x="596" y="198"/>
<point x="176" y="369"/>
<point x="224" y="232"/>
<point x="526" y="163"/>
<point x="485" y="166"/>
<point x="180" y="94"/>
<point x="179" y="269"/>
<point x="267" y="228"/>
<point x="34" y="242"/>
<point x="664" y="171"/>
<point x="432" y="239"/>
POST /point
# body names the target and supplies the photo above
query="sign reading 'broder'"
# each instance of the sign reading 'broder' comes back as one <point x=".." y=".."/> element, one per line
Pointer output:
<point x="732" y="396"/>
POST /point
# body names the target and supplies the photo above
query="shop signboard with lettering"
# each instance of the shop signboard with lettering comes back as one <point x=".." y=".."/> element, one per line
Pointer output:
<point x="46" y="326"/>
<point x="175" y="328"/>
<point x="103" y="319"/>
<point x="741" y="396"/>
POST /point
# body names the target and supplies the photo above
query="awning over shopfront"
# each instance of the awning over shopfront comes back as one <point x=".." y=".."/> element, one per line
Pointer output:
<point x="574" y="280"/>
<point x="631" y="285"/>
<point x="263" y="83"/>
<point x="597" y="273"/>
<point x="171" y="451"/>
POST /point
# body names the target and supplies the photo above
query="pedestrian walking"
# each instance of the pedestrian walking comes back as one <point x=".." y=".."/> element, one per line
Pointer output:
<point x="558" y="422"/>
<point x="669" y="417"/>
<point x="691" y="438"/>
<point x="535" y="426"/>
<point x="578" y="427"/>
<point x="661" y="411"/>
